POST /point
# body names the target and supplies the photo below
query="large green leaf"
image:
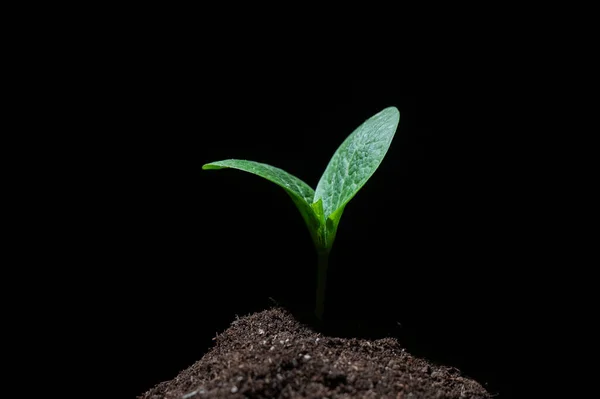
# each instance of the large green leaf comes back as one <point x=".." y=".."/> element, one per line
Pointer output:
<point x="355" y="161"/>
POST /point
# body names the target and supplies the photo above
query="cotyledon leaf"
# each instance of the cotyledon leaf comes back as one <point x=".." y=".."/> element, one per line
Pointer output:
<point x="288" y="182"/>
<point x="301" y="193"/>
<point x="356" y="160"/>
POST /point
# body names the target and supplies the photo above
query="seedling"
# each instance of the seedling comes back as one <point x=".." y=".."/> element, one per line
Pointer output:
<point x="351" y="166"/>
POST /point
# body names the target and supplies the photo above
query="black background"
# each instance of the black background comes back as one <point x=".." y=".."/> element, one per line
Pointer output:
<point x="431" y="249"/>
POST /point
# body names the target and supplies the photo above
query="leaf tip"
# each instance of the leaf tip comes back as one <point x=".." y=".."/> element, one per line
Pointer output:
<point x="392" y="109"/>
<point x="392" y="114"/>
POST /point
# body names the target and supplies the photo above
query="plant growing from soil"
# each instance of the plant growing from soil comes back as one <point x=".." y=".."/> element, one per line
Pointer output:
<point x="353" y="163"/>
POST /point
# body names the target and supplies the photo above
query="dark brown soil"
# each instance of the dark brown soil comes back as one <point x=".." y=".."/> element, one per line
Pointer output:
<point x="271" y="355"/>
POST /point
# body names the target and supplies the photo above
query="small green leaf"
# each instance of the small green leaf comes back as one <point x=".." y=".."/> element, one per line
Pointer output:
<point x="355" y="161"/>
<point x="318" y="209"/>
<point x="288" y="182"/>
<point x="301" y="193"/>
<point x="333" y="221"/>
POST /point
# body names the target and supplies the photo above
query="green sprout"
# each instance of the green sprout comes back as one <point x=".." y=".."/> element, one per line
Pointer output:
<point x="351" y="166"/>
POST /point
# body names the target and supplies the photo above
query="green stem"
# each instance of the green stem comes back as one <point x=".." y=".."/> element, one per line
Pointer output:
<point x="321" y="279"/>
